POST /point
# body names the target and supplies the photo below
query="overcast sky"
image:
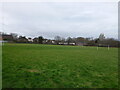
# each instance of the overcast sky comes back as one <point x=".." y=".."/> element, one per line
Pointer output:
<point x="48" y="19"/>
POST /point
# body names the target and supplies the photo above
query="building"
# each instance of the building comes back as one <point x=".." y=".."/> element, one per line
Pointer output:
<point x="81" y="43"/>
<point x="30" y="40"/>
<point x="0" y="38"/>
<point x="7" y="37"/>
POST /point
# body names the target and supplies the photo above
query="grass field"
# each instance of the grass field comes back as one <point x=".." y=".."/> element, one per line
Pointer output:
<point x="54" y="66"/>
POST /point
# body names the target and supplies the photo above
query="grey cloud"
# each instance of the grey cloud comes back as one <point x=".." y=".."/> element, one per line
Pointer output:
<point x="64" y="19"/>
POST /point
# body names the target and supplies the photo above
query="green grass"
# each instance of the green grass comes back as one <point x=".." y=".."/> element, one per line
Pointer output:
<point x="54" y="66"/>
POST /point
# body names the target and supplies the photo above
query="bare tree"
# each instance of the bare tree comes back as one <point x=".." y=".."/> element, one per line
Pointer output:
<point x="101" y="37"/>
<point x="62" y="40"/>
<point x="15" y="36"/>
<point x="57" y="39"/>
<point x="69" y="40"/>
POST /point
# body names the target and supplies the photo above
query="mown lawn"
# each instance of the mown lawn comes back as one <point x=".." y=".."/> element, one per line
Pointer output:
<point x="54" y="66"/>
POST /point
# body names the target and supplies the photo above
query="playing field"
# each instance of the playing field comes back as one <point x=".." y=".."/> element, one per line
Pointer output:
<point x="55" y="66"/>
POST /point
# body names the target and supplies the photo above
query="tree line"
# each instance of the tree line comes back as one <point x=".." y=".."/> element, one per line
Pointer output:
<point x="100" y="41"/>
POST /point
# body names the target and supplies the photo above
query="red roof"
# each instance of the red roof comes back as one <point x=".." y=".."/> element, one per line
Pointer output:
<point x="0" y="38"/>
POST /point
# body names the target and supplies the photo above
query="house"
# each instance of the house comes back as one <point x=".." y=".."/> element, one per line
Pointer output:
<point x="81" y="43"/>
<point x="53" y="41"/>
<point x="35" y="40"/>
<point x="45" y="41"/>
<point x="30" y="40"/>
<point x="71" y="43"/>
<point x="7" y="37"/>
<point x="22" y="39"/>
<point x="48" y="41"/>
<point x="0" y="39"/>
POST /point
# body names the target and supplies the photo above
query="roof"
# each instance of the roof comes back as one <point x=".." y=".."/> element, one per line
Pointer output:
<point x="0" y="38"/>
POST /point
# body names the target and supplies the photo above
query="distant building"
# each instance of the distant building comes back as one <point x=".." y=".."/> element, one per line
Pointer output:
<point x="30" y="40"/>
<point x="45" y="41"/>
<point x="53" y="41"/>
<point x="81" y="43"/>
<point x="65" y="43"/>
<point x="7" y="37"/>
<point x="22" y="39"/>
<point x="35" y="40"/>
<point x="0" y="38"/>
<point x="48" y="41"/>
